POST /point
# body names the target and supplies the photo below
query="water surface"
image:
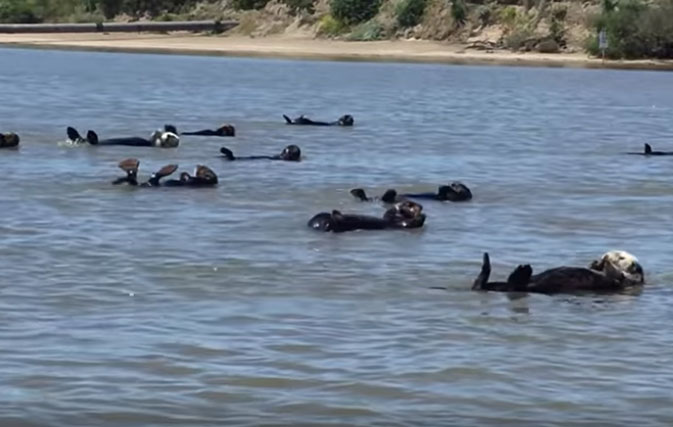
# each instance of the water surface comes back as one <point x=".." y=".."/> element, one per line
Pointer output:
<point x="120" y="306"/>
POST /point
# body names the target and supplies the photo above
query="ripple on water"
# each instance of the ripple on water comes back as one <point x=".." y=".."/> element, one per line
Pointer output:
<point x="220" y="307"/>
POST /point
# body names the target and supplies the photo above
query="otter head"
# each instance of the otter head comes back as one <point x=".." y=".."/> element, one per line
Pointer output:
<point x="322" y="221"/>
<point x="409" y="209"/>
<point x="623" y="263"/>
<point x="346" y="120"/>
<point x="167" y="140"/>
<point x="226" y="130"/>
<point x="9" y="140"/>
<point x="456" y="191"/>
<point x="206" y="174"/>
<point x="406" y="214"/>
<point x="291" y="153"/>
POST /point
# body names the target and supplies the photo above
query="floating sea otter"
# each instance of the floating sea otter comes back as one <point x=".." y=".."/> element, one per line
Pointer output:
<point x="9" y="140"/>
<point x="291" y="153"/>
<point x="454" y="192"/>
<point x="647" y="151"/>
<point x="203" y="176"/>
<point x="168" y="138"/>
<point x="613" y="272"/>
<point x="345" y="120"/>
<point x="224" y="130"/>
<point x="406" y="214"/>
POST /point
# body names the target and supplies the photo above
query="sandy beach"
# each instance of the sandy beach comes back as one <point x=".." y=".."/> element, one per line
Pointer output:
<point x="309" y="48"/>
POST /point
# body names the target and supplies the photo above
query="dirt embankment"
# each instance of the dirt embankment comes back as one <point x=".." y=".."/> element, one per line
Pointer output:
<point x="540" y="25"/>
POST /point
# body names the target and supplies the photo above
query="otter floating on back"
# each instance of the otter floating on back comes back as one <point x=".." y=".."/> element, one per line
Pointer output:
<point x="345" y="120"/>
<point x="203" y="176"/>
<point x="454" y="192"/>
<point x="291" y="153"/>
<point x="403" y="215"/>
<point x="224" y="130"/>
<point x="167" y="138"/>
<point x="9" y="140"/>
<point x="615" y="271"/>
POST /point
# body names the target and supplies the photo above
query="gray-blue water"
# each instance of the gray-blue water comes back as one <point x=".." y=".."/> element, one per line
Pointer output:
<point x="123" y="306"/>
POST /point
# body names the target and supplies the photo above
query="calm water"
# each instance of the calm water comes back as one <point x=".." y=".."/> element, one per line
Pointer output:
<point x="120" y="306"/>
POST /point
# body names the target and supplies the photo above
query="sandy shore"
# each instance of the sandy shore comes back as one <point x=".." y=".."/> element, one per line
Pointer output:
<point x="308" y="48"/>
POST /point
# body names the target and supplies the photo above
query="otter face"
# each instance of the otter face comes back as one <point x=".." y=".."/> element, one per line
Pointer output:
<point x="205" y="173"/>
<point x="227" y="130"/>
<point x="291" y="153"/>
<point x="9" y="140"/>
<point x="456" y="191"/>
<point x="622" y="262"/>
<point x="407" y="214"/>
<point x="409" y="209"/>
<point x="322" y="222"/>
<point x="167" y="140"/>
<point x="346" y="120"/>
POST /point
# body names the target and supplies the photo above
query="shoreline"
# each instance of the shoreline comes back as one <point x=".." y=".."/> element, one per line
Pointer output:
<point x="283" y="47"/>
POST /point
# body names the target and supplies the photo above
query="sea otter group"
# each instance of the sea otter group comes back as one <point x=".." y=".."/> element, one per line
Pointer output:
<point x="615" y="271"/>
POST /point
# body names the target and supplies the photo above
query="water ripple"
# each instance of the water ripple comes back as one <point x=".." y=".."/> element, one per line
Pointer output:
<point x="220" y="307"/>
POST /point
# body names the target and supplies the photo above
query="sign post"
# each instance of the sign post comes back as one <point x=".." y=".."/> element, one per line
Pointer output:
<point x="602" y="42"/>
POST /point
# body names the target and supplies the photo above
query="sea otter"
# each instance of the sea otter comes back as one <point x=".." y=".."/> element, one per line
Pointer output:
<point x="291" y="153"/>
<point x="647" y="151"/>
<point x="345" y="120"/>
<point x="167" y="138"/>
<point x="9" y="140"/>
<point x="406" y="214"/>
<point x="224" y="130"/>
<point x="203" y="176"/>
<point x="613" y="272"/>
<point x="454" y="192"/>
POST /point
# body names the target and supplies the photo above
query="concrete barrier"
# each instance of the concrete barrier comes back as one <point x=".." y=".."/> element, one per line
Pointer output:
<point x="120" y="27"/>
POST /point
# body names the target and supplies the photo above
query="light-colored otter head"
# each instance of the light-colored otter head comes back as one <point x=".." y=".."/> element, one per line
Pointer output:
<point x="621" y="262"/>
<point x="165" y="139"/>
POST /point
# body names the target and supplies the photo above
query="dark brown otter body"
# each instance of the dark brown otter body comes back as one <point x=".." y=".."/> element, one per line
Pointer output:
<point x="454" y="192"/>
<point x="403" y="215"/>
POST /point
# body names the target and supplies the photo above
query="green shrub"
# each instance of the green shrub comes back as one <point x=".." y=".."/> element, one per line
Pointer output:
<point x="557" y="26"/>
<point x="509" y="16"/>
<point x="110" y="8"/>
<point x="19" y="11"/>
<point x="484" y="15"/>
<point x="367" y="31"/>
<point x="410" y="12"/>
<point x="166" y="17"/>
<point x="354" y="11"/>
<point x="329" y="26"/>
<point x="635" y="29"/>
<point x="519" y="39"/>
<point x="297" y="6"/>
<point x="608" y="5"/>
<point x="249" y="4"/>
<point x="459" y="12"/>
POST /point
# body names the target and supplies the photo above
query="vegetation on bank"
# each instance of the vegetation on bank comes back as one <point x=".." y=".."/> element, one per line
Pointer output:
<point x="634" y="28"/>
